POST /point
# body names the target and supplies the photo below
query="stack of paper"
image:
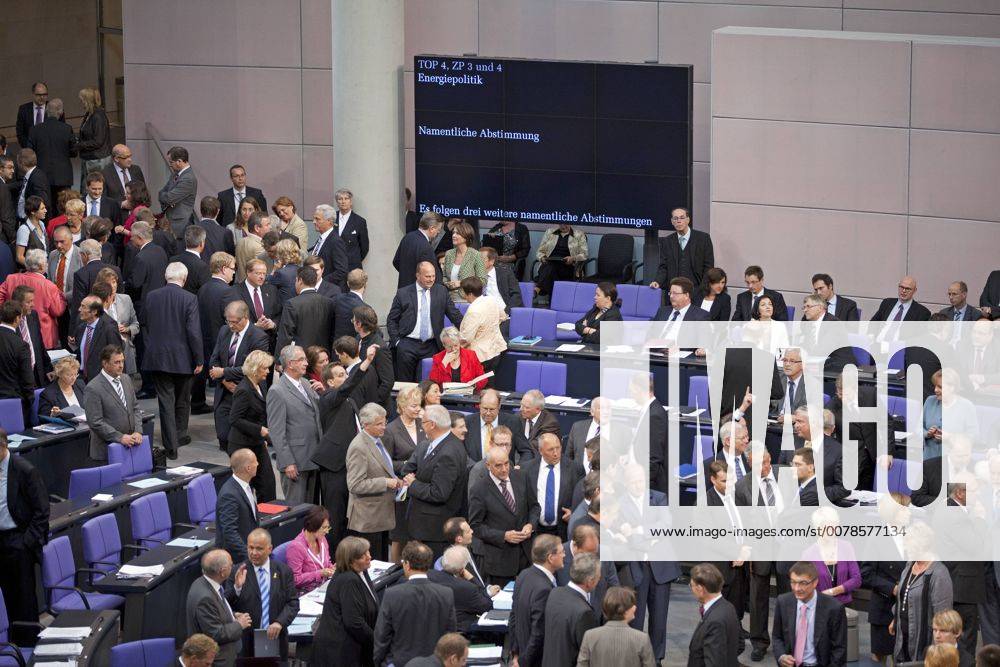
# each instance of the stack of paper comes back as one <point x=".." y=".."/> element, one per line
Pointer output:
<point x="140" y="571"/>
<point x="378" y="568"/>
<point x="487" y="620"/>
<point x="570" y="347"/>
<point x="147" y="483"/>
<point x="70" y="634"/>
<point x="309" y="607"/>
<point x="503" y="600"/>
<point x="554" y="399"/>
<point x="182" y="471"/>
<point x="15" y="440"/>
<point x="59" y="649"/>
<point x="485" y="652"/>
<point x="102" y="497"/>
<point x="187" y="543"/>
<point x="301" y="625"/>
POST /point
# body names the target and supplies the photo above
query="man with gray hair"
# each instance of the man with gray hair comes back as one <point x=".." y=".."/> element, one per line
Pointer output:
<point x="415" y="248"/>
<point x="85" y="276"/>
<point x="147" y="268"/>
<point x="174" y="353"/>
<point x="826" y="450"/>
<point x="209" y="613"/>
<point x="330" y="247"/>
<point x="471" y="600"/>
<point x="435" y="477"/>
<point x="294" y="425"/>
<point x="535" y="420"/>
<point x="568" y="614"/>
<point x="814" y="313"/>
<point x="54" y="143"/>
<point x="371" y="482"/>
<point x="352" y="229"/>
<point x="735" y="440"/>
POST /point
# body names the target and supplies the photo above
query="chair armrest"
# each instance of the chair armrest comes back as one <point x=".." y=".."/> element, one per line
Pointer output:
<point x="635" y="272"/>
<point x="91" y="571"/>
<point x="148" y="539"/>
<point x="53" y="498"/>
<point x="189" y="526"/>
<point x="12" y="651"/>
<point x="586" y="263"/>
<point x="628" y="272"/>
<point x="86" y="602"/>
<point x="533" y="274"/>
<point x="133" y="547"/>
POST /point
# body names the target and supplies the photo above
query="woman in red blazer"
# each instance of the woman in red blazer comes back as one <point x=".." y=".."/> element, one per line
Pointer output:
<point x="455" y="363"/>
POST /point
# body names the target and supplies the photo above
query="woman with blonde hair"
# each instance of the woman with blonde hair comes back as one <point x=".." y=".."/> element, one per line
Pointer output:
<point x="288" y="260"/>
<point x="94" y="144"/>
<point x="289" y="221"/>
<point x="401" y="437"/>
<point x="65" y="390"/>
<point x="248" y="421"/>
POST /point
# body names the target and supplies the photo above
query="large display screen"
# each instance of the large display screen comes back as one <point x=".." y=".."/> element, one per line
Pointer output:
<point x="547" y="141"/>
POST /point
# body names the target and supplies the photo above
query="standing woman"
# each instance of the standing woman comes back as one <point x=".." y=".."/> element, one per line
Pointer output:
<point x="31" y="233"/>
<point x="238" y="227"/>
<point x="248" y="421"/>
<point x="402" y="435"/>
<point x="462" y="261"/>
<point x="95" y="135"/>
<point x="289" y="221"/>
<point x="481" y="324"/>
<point x="120" y="308"/>
<point x="605" y="310"/>
<point x="924" y="590"/>
<point x="514" y="245"/>
<point x="345" y="633"/>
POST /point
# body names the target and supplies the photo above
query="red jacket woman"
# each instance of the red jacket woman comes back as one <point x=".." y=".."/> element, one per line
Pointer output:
<point x="445" y="360"/>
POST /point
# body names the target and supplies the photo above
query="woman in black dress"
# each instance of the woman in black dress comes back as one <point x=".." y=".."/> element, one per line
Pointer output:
<point x="248" y="421"/>
<point x="605" y="310"/>
<point x="345" y="633"/>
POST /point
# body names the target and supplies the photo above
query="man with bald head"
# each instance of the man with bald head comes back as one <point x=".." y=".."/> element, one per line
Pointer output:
<point x="904" y="308"/>
<point x="482" y="427"/>
<point x="209" y="613"/>
<point x="236" y="505"/>
<point x="120" y="173"/>
<point x="416" y="319"/>
<point x="553" y="478"/>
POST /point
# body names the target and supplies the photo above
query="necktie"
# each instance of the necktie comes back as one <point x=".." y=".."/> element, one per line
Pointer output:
<point x="265" y="597"/>
<point x="425" y="316"/>
<point x="232" y="349"/>
<point x="701" y="611"/>
<point x="61" y="273"/>
<point x="597" y="431"/>
<point x="507" y="498"/>
<point x="316" y="248"/>
<point x="222" y="594"/>
<point x="673" y="318"/>
<point x="831" y="308"/>
<point x="239" y="198"/>
<point x="801" y="634"/>
<point x="258" y="305"/>
<point x="93" y="207"/>
<point x="385" y="455"/>
<point x="117" y="384"/>
<point x="85" y="348"/>
<point x="430" y="449"/>
<point x="20" y="201"/>
<point x="768" y="491"/>
<point x="550" y="495"/>
<point x="791" y="395"/>
<point x="23" y="328"/>
<point x="489" y="439"/>
<point x="302" y="390"/>
<point x="125" y="177"/>
<point x="39" y="116"/>
<point x="899" y="314"/>
<point x="738" y="464"/>
<point x="527" y="427"/>
<point x="958" y="315"/>
<point x="683" y="241"/>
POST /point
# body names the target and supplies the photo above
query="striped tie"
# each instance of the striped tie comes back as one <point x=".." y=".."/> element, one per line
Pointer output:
<point x="117" y="383"/>
<point x="265" y="597"/>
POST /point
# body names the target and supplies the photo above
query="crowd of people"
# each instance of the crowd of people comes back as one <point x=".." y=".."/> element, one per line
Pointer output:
<point x="225" y="296"/>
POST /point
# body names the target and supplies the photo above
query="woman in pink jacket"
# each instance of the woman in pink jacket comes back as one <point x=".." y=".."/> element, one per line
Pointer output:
<point x="309" y="554"/>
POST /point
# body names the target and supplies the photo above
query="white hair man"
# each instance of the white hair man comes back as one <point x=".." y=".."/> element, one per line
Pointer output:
<point x="294" y="425"/>
<point x="371" y="482"/>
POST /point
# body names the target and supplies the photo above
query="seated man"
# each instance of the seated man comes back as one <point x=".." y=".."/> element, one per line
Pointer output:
<point x="747" y="302"/>
<point x="471" y="599"/>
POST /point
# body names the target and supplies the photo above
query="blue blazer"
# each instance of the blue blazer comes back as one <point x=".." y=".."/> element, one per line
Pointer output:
<point x="343" y="308"/>
<point x="172" y="327"/>
<point x="403" y="313"/>
<point x="284" y="281"/>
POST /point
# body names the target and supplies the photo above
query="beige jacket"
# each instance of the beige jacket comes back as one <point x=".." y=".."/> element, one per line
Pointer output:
<point x="481" y="328"/>
<point x="371" y="505"/>
<point x="297" y="228"/>
<point x="247" y="249"/>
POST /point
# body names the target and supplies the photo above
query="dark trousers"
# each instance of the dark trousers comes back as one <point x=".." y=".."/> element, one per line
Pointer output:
<point x="549" y="272"/>
<point x="989" y="611"/>
<point x="333" y="486"/>
<point x="969" y="611"/>
<point x="760" y="598"/>
<point x="173" y="397"/>
<point x="17" y="581"/>
<point x="656" y="598"/>
<point x="221" y="407"/>
<point x="198" y="388"/>
<point x="736" y="590"/>
<point x="378" y="543"/>
<point x="409" y="352"/>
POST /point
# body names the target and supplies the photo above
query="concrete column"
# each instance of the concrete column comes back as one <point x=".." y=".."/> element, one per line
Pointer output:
<point x="368" y="129"/>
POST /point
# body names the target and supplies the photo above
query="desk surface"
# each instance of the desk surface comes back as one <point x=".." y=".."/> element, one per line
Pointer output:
<point x="96" y="647"/>
<point x="172" y="559"/>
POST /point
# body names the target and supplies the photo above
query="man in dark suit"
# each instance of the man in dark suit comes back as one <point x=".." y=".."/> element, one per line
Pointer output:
<point x="175" y="353"/>
<point x="225" y="365"/>
<point x="25" y="517"/>
<point x="586" y="540"/>
<point x="957" y="461"/>
<point x="652" y="421"/>
<point x="35" y="184"/>
<point x="262" y="299"/>
<point x="960" y="309"/>
<point x="435" y="475"/>
<point x="231" y="198"/>
<point x="30" y="330"/>
<point x="554" y="479"/>
<point x="97" y="204"/>
<point x="686" y="254"/>
<point x="177" y="195"/>
<point x="54" y="143"/>
<point x="146" y="270"/>
<point x="804" y="466"/>
<point x="482" y="424"/>
<point x="534" y="421"/>
<point x="120" y="173"/>
<point x="208" y="612"/>
<point x="503" y="513"/>
<point x="86" y="275"/>
<point x="534" y="585"/>
<point x="716" y="638"/>
<point x="307" y="319"/>
<point x="365" y="323"/>
<point x="352" y="229"/>
<point x="747" y="302"/>
<point x="217" y="237"/>
<point x="194" y="245"/>
<point x="824" y="613"/>
<point x="904" y="308"/>
<point x="680" y="308"/>
<point x="327" y="288"/>
<point x="415" y="613"/>
<point x="471" y="599"/>
<point x="416" y="318"/>
<point x="844" y="309"/>
<point x="568" y="614"/>
<point x="236" y="506"/>
<point x="415" y="248"/>
<point x="989" y="299"/>
<point x="95" y="332"/>
<point x="213" y="297"/>
<point x="329" y="246"/>
<point x="809" y="336"/>
<point x="8" y="214"/>
<point x="264" y="588"/>
<point x="827" y="448"/>
<point x="32" y="113"/>
<point x="345" y="303"/>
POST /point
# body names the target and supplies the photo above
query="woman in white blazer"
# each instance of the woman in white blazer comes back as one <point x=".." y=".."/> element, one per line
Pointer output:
<point x="481" y="324"/>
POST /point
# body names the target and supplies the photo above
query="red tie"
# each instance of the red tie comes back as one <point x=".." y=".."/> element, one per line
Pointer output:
<point x="61" y="273"/>
<point x="258" y="307"/>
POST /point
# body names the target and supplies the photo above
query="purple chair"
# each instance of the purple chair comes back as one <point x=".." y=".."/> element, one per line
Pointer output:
<point x="201" y="497"/>
<point x="102" y="544"/>
<point x="11" y="655"/>
<point x="561" y="299"/>
<point x="279" y="553"/>
<point x="11" y="415"/>
<point x="628" y="297"/>
<point x="529" y="322"/>
<point x="85" y="482"/>
<point x="897" y="406"/>
<point x="425" y="368"/>
<point x="520" y="321"/>
<point x="698" y="393"/>
<point x="791" y="313"/>
<point x="897" y="477"/>
<point x="582" y="301"/>
<point x="462" y="307"/>
<point x="144" y="653"/>
<point x="151" y="523"/>
<point x="34" y="407"/>
<point x="547" y="376"/>
<point x="527" y="294"/>
<point x="898" y="359"/>
<point x="136" y="461"/>
<point x="704" y="445"/>
<point x="648" y="301"/>
<point x="60" y="579"/>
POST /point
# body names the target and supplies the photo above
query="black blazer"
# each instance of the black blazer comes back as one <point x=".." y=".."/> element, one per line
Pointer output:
<point x="95" y="136"/>
<point x="145" y="273"/>
<point x="385" y="374"/>
<point x="283" y="604"/>
<point x="217" y="239"/>
<point x="107" y="208"/>
<point x="307" y="319"/>
<point x="509" y="289"/>
<point x="721" y="309"/>
<point x="403" y="312"/>
<point x="8" y="215"/>
<point x="105" y="333"/>
<point x="234" y="520"/>
<point x="52" y="396"/>
<point x="232" y="369"/>
<point x="474" y="438"/>
<point x="490" y="518"/>
<point x="990" y="296"/>
<point x="198" y="273"/>
<point x="846" y="310"/>
<point x="28" y="503"/>
<point x="833" y="462"/>
<point x="413" y="616"/>
<point x="83" y="280"/>
<point x="283" y="280"/>
<point x="247" y="414"/>
<point x="213" y="297"/>
<point x="654" y="420"/>
<point x="43" y="365"/>
<point x="917" y="312"/>
<point x="569" y="473"/>
<point x="269" y="299"/>
<point x="172" y="329"/>
<point x="700" y="254"/>
<point x="227" y="203"/>
<point x="881" y="577"/>
<point x="829" y="635"/>
<point x="334" y="255"/>
<point x="328" y="289"/>
<point x="16" y="380"/>
<point x="337" y="410"/>
<point x="343" y="309"/>
<point x="55" y="144"/>
<point x="345" y="634"/>
<point x="526" y="626"/>
<point x="25" y="121"/>
<point x="355" y="239"/>
<point x="439" y="489"/>
<point x="545" y="422"/>
<point x="113" y="185"/>
<point x="716" y="638"/>
<point x="930" y="487"/>
<point x="694" y="314"/>
<point x="471" y="600"/>
<point x="745" y="313"/>
<point x="412" y="250"/>
<point x="591" y="320"/>
<point x="38" y="185"/>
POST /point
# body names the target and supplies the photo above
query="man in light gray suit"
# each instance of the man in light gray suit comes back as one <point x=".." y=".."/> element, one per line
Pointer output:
<point x="64" y="261"/>
<point x="111" y="406"/>
<point x="371" y="482"/>
<point x="293" y="421"/>
<point x="208" y="612"/>
<point x="178" y="195"/>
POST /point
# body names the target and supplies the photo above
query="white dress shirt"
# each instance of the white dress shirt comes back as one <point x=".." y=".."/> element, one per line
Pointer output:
<point x="415" y="334"/>
<point x="543" y="475"/>
<point x="321" y="240"/>
<point x="248" y="492"/>
<point x="548" y="574"/>
<point x="342" y="222"/>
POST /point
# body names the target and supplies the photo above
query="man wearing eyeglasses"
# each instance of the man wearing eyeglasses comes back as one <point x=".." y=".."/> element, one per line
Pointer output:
<point x="686" y="254"/>
<point x="814" y="312"/>
<point x="810" y="629"/>
<point x="903" y="308"/>
<point x="178" y="194"/>
<point x="120" y="173"/>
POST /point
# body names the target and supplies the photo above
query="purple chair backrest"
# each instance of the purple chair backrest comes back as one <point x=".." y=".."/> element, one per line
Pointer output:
<point x="791" y="313"/>
<point x="4" y="621"/>
<point x="157" y="652"/>
<point x="704" y="444"/>
<point x="58" y="568"/>
<point x="11" y="415"/>
<point x="135" y="461"/>
<point x="201" y="499"/>
<point x="85" y="482"/>
<point x="34" y="407"/>
<point x="897" y="477"/>
<point x="425" y="368"/>
<point x="562" y="295"/>
<point x="102" y="545"/>
<point x="629" y="297"/>
<point x="527" y="293"/>
<point x="279" y="553"/>
<point x="520" y="321"/>
<point x="648" y="302"/>
<point x="897" y="406"/>
<point x="897" y="360"/>
<point x="547" y="376"/>
<point x="543" y="324"/>
<point x="583" y="297"/>
<point x="698" y="392"/>
<point x="151" y="524"/>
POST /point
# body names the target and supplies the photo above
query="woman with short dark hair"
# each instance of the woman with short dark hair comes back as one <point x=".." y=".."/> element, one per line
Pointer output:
<point x="605" y="309"/>
<point x="308" y="554"/>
